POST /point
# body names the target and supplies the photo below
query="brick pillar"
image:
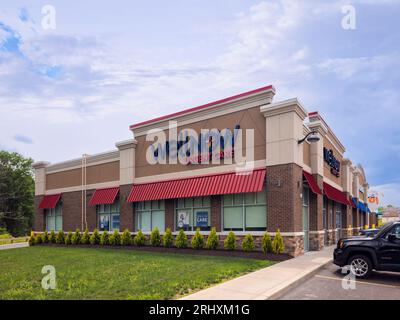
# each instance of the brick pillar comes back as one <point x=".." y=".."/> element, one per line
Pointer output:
<point x="284" y="204"/>
<point x="216" y="212"/>
<point x="170" y="214"/>
<point x="39" y="223"/>
<point x="126" y="213"/>
<point x="316" y="217"/>
<point x="91" y="213"/>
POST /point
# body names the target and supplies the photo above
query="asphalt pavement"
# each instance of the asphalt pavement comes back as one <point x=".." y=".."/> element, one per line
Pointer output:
<point x="327" y="285"/>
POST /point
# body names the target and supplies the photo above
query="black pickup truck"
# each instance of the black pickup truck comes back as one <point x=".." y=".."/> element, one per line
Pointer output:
<point x="364" y="254"/>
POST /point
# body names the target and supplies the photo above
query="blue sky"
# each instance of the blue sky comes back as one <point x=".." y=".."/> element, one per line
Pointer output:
<point x="107" y="65"/>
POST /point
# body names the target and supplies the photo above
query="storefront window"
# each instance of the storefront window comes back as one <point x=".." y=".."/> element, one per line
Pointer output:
<point x="245" y="212"/>
<point x="150" y="214"/>
<point x="338" y="215"/>
<point x="108" y="216"/>
<point x="193" y="213"/>
<point x="54" y="218"/>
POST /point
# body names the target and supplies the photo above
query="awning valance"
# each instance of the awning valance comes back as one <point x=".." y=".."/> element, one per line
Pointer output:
<point x="226" y="183"/>
<point x="49" y="201"/>
<point x="362" y="206"/>
<point x="336" y="195"/>
<point x="312" y="183"/>
<point x="104" y="196"/>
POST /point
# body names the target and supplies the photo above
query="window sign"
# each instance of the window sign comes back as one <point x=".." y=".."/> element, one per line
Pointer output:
<point x="201" y="218"/>
<point x="183" y="219"/>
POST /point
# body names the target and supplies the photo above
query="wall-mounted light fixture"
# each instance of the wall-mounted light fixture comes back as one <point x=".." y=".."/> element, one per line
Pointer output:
<point x="310" y="137"/>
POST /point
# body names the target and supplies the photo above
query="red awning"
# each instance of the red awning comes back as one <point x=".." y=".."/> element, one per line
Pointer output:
<point x="199" y="186"/>
<point x="49" y="201"/>
<point x="104" y="196"/>
<point x="336" y="195"/>
<point x="312" y="183"/>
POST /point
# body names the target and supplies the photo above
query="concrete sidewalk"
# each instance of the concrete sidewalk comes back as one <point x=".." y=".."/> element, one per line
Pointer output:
<point x="14" y="245"/>
<point x="268" y="283"/>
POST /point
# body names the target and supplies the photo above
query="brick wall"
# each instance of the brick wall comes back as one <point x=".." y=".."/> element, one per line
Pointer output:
<point x="39" y="222"/>
<point x="127" y="212"/>
<point x="215" y="213"/>
<point x="284" y="204"/>
<point x="170" y="214"/>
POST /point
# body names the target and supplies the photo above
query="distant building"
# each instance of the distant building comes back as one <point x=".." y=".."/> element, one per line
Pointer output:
<point x="391" y="214"/>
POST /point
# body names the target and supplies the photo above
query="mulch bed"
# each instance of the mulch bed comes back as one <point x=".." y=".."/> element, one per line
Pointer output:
<point x="219" y="252"/>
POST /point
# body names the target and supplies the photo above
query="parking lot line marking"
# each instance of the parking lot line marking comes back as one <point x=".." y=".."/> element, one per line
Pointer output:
<point x="360" y="281"/>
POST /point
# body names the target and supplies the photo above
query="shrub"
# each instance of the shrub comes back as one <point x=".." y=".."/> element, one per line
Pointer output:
<point x="266" y="244"/>
<point x="248" y="243"/>
<point x="140" y="239"/>
<point x="115" y="238"/>
<point x="155" y="238"/>
<point x="168" y="239"/>
<point x="212" y="240"/>
<point x="95" y="237"/>
<point x="76" y="237"/>
<point x="126" y="238"/>
<point x="32" y="239"/>
<point x="38" y="239"/>
<point x="197" y="240"/>
<point x="68" y="238"/>
<point x="45" y="237"/>
<point x="4" y="231"/>
<point x="60" y="237"/>
<point x="85" y="239"/>
<point x="181" y="239"/>
<point x="104" y="239"/>
<point x="52" y="237"/>
<point x="277" y="244"/>
<point x="230" y="241"/>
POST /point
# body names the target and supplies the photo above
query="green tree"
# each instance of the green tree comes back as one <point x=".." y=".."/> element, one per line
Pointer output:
<point x="17" y="189"/>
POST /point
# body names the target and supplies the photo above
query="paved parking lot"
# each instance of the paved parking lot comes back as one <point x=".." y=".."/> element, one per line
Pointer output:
<point x="327" y="285"/>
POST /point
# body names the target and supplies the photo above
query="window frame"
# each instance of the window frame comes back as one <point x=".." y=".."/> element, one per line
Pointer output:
<point x="57" y="208"/>
<point x="140" y="208"/>
<point x="114" y="209"/>
<point x="244" y="205"/>
<point x="193" y="208"/>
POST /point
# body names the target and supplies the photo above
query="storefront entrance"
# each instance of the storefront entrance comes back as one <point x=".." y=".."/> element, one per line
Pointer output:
<point x="306" y="218"/>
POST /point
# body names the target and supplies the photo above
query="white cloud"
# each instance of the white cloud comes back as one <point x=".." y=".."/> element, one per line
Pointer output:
<point x="390" y="193"/>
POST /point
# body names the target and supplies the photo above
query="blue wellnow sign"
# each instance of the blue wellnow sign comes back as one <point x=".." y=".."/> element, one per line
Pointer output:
<point x="331" y="160"/>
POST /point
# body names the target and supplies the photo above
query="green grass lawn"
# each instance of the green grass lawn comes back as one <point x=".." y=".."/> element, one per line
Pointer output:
<point x="84" y="273"/>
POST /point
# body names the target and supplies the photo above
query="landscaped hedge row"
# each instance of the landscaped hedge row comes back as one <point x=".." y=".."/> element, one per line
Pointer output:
<point x="198" y="241"/>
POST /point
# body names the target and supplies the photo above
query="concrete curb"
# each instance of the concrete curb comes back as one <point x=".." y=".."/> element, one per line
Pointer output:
<point x="281" y="292"/>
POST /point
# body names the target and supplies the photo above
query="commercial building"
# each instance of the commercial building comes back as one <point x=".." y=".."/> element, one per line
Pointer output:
<point x="280" y="167"/>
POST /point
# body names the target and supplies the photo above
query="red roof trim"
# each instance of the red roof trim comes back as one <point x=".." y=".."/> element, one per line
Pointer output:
<point x="50" y="201"/>
<point x="104" y="196"/>
<point x="210" y="104"/>
<point x="312" y="183"/>
<point x="336" y="195"/>
<point x="199" y="186"/>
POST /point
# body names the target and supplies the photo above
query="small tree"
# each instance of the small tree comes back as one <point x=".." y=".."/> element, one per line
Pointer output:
<point x="60" y="239"/>
<point x="248" y="243"/>
<point x="230" y="241"/>
<point x="181" y="239"/>
<point x="140" y="239"/>
<point x="52" y="237"/>
<point x="168" y="239"/>
<point x="85" y="237"/>
<point x="155" y="238"/>
<point x="212" y="240"/>
<point x="76" y="237"/>
<point x="104" y="239"/>
<point x="68" y="238"/>
<point x="126" y="239"/>
<point x="197" y="240"/>
<point x="38" y="239"/>
<point x="115" y="238"/>
<point x="95" y="237"/>
<point x="32" y="239"/>
<point x="266" y="244"/>
<point x="277" y="244"/>
<point x="45" y="237"/>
